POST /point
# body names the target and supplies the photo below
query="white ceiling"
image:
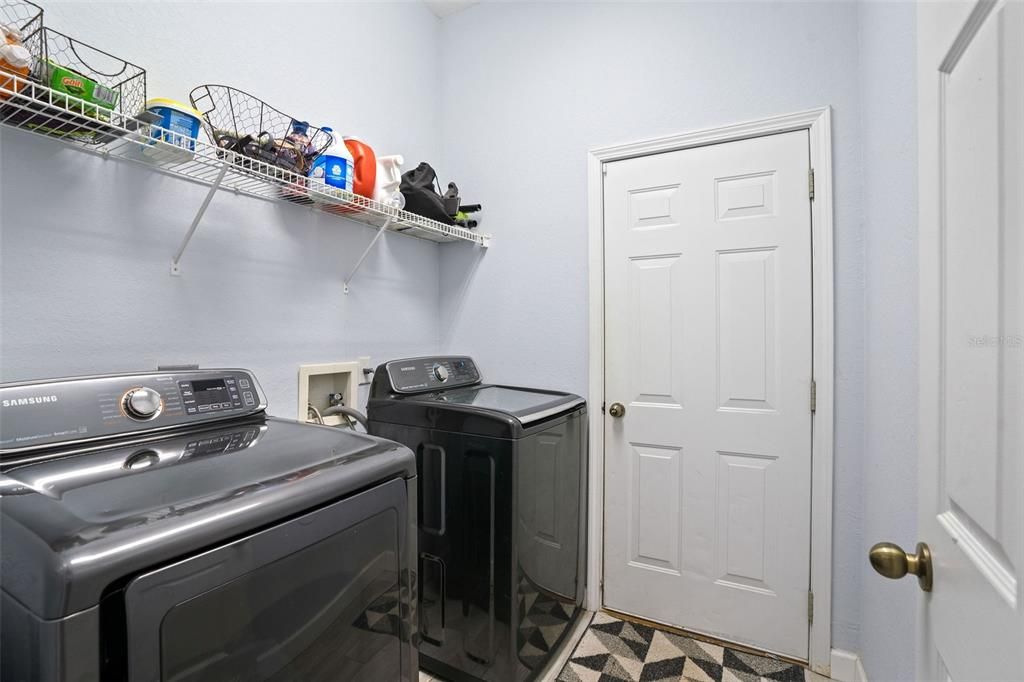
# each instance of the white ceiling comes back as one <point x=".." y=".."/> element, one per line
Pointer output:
<point x="443" y="8"/>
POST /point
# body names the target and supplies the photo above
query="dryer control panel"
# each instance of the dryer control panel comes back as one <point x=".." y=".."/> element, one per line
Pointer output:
<point x="53" y="412"/>
<point x="421" y="375"/>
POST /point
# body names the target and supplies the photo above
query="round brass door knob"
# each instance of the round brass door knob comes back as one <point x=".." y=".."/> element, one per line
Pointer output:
<point x="890" y="560"/>
<point x="617" y="410"/>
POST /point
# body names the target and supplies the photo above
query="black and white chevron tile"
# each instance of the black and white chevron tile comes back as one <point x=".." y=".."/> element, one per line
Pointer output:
<point x="614" y="650"/>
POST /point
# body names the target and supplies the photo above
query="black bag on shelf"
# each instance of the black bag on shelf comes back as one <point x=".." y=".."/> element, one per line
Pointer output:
<point x="420" y="196"/>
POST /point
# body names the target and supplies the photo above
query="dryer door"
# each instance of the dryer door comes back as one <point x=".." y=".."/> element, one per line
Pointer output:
<point x="319" y="597"/>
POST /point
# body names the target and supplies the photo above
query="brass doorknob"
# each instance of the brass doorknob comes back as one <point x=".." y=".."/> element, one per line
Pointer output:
<point x="617" y="410"/>
<point x="891" y="561"/>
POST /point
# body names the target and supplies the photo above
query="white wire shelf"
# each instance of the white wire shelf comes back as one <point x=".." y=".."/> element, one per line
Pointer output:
<point x="30" y="106"/>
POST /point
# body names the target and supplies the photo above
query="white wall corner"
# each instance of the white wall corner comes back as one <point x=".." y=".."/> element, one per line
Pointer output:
<point x="846" y="667"/>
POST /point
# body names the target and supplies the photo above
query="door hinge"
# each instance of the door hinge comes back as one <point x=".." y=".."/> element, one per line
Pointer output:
<point x="810" y="183"/>
<point x="814" y="395"/>
<point x="810" y="607"/>
<point x="604" y="169"/>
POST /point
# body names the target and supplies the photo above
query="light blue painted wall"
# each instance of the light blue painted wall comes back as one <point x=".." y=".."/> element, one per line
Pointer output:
<point x="85" y="244"/>
<point x="530" y="87"/>
<point x="889" y="96"/>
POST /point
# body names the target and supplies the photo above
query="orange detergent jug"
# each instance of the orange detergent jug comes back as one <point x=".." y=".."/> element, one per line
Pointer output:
<point x="364" y="163"/>
<point x="17" y="60"/>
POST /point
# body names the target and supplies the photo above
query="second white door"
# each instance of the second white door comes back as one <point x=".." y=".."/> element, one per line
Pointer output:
<point x="708" y="351"/>
<point x="970" y="626"/>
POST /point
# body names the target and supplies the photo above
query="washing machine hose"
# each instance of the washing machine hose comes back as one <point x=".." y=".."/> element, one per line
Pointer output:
<point x="348" y="412"/>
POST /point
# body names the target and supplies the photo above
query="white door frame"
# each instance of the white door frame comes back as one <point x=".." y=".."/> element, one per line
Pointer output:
<point x="819" y="125"/>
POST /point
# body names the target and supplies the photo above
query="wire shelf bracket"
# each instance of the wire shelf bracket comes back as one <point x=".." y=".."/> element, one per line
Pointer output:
<point x="176" y="261"/>
<point x="380" y="233"/>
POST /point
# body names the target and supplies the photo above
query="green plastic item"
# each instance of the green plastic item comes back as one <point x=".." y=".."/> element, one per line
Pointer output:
<point x="75" y="84"/>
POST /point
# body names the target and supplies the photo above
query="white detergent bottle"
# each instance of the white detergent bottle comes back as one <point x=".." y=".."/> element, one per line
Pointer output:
<point x="334" y="166"/>
<point x="389" y="178"/>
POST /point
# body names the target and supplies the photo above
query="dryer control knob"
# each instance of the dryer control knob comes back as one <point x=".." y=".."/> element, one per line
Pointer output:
<point x="142" y="403"/>
<point x="440" y="373"/>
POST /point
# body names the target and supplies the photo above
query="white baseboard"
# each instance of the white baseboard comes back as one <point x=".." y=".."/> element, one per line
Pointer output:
<point x="846" y="667"/>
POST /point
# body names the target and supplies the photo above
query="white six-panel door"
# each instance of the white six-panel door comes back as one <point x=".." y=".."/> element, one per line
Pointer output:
<point x="708" y="347"/>
<point x="971" y="186"/>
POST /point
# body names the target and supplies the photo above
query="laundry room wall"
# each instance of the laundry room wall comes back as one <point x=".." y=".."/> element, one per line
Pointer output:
<point x="87" y="244"/>
<point x="889" y="96"/>
<point x="530" y="87"/>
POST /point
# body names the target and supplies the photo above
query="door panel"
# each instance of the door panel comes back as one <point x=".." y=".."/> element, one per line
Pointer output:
<point x="972" y="339"/>
<point x="746" y="196"/>
<point x="654" y="208"/>
<point x="746" y="329"/>
<point x="708" y="345"/>
<point x="656" y="337"/>
<point x="744" y="537"/>
<point x="972" y="300"/>
<point x="654" y="527"/>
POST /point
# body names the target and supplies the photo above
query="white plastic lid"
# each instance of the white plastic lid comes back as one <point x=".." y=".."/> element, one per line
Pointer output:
<point x="173" y="104"/>
<point x="15" y="55"/>
<point x="11" y="32"/>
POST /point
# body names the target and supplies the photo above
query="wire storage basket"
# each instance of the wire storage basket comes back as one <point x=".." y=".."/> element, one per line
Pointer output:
<point x="93" y="87"/>
<point x="125" y="80"/>
<point x="236" y="121"/>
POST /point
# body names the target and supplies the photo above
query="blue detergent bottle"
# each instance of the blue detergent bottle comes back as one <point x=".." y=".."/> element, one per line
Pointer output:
<point x="335" y="165"/>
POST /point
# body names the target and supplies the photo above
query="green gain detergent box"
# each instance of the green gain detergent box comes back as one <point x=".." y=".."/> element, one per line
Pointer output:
<point x="75" y="84"/>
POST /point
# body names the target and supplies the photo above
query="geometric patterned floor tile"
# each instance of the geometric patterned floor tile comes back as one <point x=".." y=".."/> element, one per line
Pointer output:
<point x="614" y="650"/>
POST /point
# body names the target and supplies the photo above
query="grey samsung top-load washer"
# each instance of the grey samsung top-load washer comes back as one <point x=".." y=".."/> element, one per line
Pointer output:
<point x="161" y="526"/>
<point x="502" y="472"/>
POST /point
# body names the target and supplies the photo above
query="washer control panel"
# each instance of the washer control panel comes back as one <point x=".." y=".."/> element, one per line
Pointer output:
<point x="47" y="413"/>
<point x="217" y="394"/>
<point x="420" y="375"/>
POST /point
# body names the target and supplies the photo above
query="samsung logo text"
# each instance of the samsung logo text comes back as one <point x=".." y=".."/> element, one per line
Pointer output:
<point x="31" y="400"/>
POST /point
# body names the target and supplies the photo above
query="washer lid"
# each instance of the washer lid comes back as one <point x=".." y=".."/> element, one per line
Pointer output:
<point x="525" y="404"/>
<point x="482" y="410"/>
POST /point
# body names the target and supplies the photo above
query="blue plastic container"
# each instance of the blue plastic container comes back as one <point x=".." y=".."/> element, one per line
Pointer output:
<point x="180" y="121"/>
<point x="334" y="165"/>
